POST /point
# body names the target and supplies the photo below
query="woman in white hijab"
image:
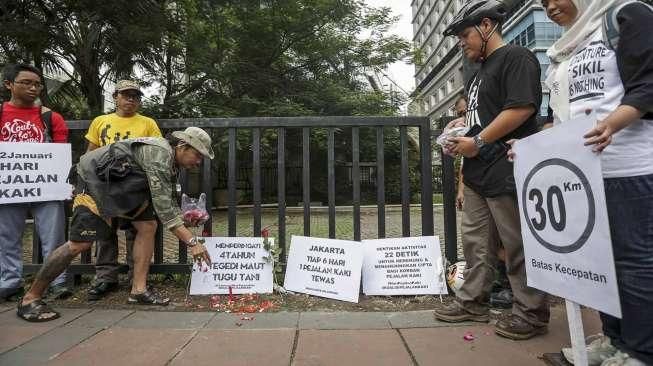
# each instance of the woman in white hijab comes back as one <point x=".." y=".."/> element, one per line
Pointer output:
<point x="604" y="63"/>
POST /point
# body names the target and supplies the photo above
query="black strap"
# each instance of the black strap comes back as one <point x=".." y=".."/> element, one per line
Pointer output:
<point x="46" y="119"/>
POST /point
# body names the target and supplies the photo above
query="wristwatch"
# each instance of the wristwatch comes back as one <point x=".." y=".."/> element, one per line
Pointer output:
<point x="478" y="141"/>
<point x="192" y="242"/>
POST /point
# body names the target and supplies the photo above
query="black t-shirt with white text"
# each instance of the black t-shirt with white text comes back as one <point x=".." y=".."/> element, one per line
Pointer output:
<point x="509" y="78"/>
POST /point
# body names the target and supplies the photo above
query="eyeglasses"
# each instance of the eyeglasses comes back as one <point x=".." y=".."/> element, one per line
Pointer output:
<point x="30" y="83"/>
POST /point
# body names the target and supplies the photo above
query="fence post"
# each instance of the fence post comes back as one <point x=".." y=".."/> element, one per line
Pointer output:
<point x="449" y="203"/>
<point x="427" y="178"/>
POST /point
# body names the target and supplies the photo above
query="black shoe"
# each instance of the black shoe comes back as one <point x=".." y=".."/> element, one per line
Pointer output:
<point x="11" y="294"/>
<point x="147" y="298"/>
<point x="101" y="289"/>
<point x="59" y="292"/>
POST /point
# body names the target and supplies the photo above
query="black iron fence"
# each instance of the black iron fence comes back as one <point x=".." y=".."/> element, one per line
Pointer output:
<point x="248" y="172"/>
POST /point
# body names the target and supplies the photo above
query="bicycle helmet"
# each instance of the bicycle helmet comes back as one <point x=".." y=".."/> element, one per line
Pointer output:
<point x="473" y="12"/>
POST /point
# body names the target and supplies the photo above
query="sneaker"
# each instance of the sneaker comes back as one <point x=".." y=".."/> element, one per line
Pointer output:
<point x="59" y="292"/>
<point x="147" y="298"/>
<point x="516" y="328"/>
<point x="599" y="348"/>
<point x="100" y="290"/>
<point x="622" y="359"/>
<point x="454" y="313"/>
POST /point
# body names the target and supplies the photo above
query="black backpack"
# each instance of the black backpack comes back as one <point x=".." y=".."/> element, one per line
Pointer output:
<point x="46" y="119"/>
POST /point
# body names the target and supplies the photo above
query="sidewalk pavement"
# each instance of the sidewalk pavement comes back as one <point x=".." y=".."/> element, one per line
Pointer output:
<point x="127" y="338"/>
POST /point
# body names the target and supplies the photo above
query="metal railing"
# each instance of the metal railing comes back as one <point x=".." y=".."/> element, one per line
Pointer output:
<point x="306" y="124"/>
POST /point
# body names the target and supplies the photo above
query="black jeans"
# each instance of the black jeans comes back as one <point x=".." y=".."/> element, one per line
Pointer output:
<point x="630" y="211"/>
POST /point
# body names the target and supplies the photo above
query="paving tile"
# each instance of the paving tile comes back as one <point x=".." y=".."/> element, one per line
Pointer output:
<point x="166" y="319"/>
<point x="47" y="346"/>
<point x="351" y="347"/>
<point x="9" y="318"/>
<point x="100" y="318"/>
<point x="558" y="335"/>
<point x="124" y="346"/>
<point x="416" y="319"/>
<point x="16" y="331"/>
<point x="259" y="321"/>
<point x="324" y="320"/>
<point x="6" y="306"/>
<point x="238" y="347"/>
<point x="446" y="346"/>
<point x="12" y="336"/>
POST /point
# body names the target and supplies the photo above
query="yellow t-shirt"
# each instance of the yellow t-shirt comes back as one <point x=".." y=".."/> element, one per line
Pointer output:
<point x="110" y="128"/>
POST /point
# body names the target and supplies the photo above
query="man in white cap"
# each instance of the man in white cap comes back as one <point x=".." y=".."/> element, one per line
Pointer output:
<point x="106" y="129"/>
<point x="122" y="180"/>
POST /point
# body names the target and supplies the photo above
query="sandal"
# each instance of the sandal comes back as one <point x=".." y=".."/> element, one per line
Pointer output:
<point x="147" y="298"/>
<point x="34" y="311"/>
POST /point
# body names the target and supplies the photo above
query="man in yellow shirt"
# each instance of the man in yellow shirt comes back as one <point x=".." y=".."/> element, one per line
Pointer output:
<point x="123" y="124"/>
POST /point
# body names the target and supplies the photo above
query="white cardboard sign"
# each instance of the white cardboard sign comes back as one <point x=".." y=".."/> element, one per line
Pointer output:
<point x="403" y="266"/>
<point x="33" y="172"/>
<point x="324" y="267"/>
<point x="564" y="218"/>
<point x="237" y="262"/>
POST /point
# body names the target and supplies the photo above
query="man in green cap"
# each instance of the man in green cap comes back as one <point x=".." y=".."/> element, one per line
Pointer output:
<point x="120" y="180"/>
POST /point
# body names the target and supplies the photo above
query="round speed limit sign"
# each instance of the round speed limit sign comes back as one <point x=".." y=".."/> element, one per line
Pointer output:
<point x="558" y="205"/>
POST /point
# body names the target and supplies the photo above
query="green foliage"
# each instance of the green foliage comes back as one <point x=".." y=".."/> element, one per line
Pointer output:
<point x="417" y="56"/>
<point x="211" y="58"/>
<point x="273" y="58"/>
<point x="85" y="41"/>
<point x="219" y="58"/>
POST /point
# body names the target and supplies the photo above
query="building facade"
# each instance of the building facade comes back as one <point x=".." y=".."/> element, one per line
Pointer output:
<point x="439" y="71"/>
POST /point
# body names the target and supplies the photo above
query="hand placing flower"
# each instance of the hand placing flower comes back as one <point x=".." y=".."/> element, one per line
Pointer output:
<point x="200" y="254"/>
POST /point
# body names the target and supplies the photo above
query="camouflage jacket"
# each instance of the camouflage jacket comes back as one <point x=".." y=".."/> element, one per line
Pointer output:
<point x="153" y="174"/>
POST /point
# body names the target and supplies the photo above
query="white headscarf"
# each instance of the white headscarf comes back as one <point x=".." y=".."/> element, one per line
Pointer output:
<point x="588" y="21"/>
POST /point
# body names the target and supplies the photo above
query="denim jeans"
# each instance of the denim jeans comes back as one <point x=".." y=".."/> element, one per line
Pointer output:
<point x="50" y="221"/>
<point x="630" y="211"/>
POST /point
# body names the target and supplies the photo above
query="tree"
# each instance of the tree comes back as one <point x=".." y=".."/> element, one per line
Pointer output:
<point x="90" y="41"/>
<point x="273" y="58"/>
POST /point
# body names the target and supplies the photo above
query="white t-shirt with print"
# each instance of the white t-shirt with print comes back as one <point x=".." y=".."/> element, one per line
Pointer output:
<point x="595" y="84"/>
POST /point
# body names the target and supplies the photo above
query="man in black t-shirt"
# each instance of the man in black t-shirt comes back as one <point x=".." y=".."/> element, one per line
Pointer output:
<point x="503" y="97"/>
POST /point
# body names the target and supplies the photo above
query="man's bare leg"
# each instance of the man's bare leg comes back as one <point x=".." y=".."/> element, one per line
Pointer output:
<point x="54" y="265"/>
<point x="142" y="252"/>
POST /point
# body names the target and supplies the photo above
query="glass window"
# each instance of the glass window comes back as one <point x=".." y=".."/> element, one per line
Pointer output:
<point x="450" y="83"/>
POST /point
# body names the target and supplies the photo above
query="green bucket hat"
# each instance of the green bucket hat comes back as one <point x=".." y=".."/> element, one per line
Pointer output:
<point x="197" y="138"/>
